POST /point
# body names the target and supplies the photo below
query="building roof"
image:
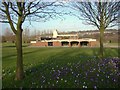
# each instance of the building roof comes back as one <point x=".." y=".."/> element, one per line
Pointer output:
<point x="55" y="34"/>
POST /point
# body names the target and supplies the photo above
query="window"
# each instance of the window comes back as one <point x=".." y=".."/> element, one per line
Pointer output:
<point x="50" y="43"/>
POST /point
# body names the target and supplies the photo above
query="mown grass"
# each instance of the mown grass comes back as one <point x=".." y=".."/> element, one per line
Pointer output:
<point x="61" y="67"/>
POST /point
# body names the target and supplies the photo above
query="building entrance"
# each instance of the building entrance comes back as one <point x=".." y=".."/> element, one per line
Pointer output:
<point x="50" y="43"/>
<point x="84" y="43"/>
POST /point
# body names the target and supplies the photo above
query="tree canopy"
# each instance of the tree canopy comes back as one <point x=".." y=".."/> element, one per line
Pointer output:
<point x="16" y="12"/>
<point x="102" y="14"/>
<point x="91" y="12"/>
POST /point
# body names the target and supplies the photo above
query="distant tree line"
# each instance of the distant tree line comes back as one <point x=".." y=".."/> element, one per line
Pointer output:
<point x="9" y="36"/>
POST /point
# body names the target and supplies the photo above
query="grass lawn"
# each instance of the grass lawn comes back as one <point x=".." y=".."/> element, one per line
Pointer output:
<point x="61" y="67"/>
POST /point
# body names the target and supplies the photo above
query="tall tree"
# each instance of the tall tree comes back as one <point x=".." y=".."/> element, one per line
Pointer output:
<point x="16" y="13"/>
<point x="100" y="14"/>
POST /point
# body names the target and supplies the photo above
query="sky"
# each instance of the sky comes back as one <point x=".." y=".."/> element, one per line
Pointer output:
<point x="69" y="23"/>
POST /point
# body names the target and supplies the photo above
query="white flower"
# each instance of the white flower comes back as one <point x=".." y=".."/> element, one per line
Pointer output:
<point x="84" y="86"/>
<point x="57" y="77"/>
<point x="59" y="71"/>
<point x="75" y="80"/>
<point x="43" y="81"/>
<point x="84" y="83"/>
<point x="114" y="80"/>
<point x="48" y="82"/>
<point x="61" y="79"/>
<point x="95" y="87"/>
<point x="77" y="76"/>
<point x="70" y="69"/>
<point x="65" y="80"/>
<point x="61" y="67"/>
<point x="52" y="84"/>
<point x="3" y="70"/>
<point x="101" y="79"/>
<point x="97" y="74"/>
<point x="57" y="81"/>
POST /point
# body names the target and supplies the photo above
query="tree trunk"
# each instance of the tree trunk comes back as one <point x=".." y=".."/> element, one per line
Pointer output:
<point x="101" y="43"/>
<point x="102" y="29"/>
<point x="19" y="67"/>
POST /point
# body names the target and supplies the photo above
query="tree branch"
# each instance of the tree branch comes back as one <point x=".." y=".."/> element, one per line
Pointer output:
<point x="9" y="18"/>
<point x="4" y="21"/>
<point x="2" y="10"/>
<point x="96" y="12"/>
<point x="11" y="5"/>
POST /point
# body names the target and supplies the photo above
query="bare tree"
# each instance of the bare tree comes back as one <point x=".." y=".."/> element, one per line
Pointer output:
<point x="26" y="35"/>
<point x="16" y="13"/>
<point x="9" y="36"/>
<point x="100" y="14"/>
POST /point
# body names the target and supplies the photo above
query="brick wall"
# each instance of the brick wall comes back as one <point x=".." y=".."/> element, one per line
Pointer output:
<point x="93" y="43"/>
<point x="40" y="44"/>
<point x="56" y="43"/>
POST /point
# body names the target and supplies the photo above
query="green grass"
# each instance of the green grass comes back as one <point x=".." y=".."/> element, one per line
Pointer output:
<point x="9" y="44"/>
<point x="111" y="44"/>
<point x="60" y="67"/>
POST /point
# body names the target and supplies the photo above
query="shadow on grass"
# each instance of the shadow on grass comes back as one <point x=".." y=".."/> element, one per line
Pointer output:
<point x="11" y="46"/>
<point x="15" y="54"/>
<point x="111" y="52"/>
<point x="49" y="71"/>
<point x="108" y="52"/>
<point x="29" y="52"/>
<point x="24" y="53"/>
<point x="40" y="74"/>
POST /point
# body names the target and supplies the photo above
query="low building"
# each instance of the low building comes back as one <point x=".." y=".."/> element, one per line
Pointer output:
<point x="69" y="40"/>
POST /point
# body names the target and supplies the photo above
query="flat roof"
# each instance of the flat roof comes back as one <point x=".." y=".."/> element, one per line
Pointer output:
<point x="70" y="40"/>
<point x="68" y="35"/>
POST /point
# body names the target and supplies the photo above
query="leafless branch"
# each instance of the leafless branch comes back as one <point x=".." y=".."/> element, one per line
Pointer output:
<point x="91" y="12"/>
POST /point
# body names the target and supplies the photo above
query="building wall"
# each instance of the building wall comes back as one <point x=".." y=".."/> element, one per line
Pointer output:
<point x="38" y="43"/>
<point x="93" y="43"/>
<point x="56" y="43"/>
